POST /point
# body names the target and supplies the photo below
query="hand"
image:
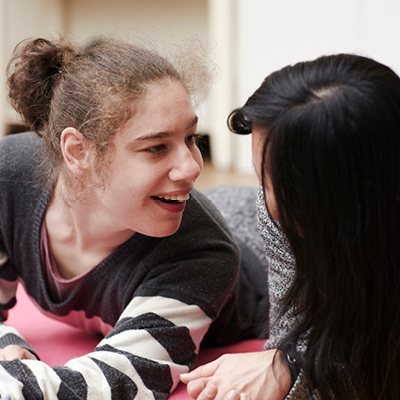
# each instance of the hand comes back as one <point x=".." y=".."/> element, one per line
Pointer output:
<point x="246" y="376"/>
<point x="13" y="351"/>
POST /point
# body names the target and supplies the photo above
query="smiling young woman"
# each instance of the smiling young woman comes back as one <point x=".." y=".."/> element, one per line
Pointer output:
<point x="100" y="222"/>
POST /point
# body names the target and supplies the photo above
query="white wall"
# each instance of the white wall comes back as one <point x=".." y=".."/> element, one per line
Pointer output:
<point x="273" y="34"/>
<point x="382" y="31"/>
<point x="278" y="33"/>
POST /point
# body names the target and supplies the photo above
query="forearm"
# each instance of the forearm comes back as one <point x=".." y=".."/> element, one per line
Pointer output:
<point x="141" y="358"/>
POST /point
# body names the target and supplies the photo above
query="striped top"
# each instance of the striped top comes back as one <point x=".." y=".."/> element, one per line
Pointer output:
<point x="154" y="299"/>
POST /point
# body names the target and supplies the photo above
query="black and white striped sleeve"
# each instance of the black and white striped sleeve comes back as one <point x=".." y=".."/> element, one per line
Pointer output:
<point x="141" y="358"/>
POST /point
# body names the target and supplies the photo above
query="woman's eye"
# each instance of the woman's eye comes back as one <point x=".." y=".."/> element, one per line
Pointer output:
<point x="193" y="139"/>
<point x="156" y="149"/>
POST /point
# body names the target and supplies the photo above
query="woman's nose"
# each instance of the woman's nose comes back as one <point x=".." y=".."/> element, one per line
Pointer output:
<point x="187" y="166"/>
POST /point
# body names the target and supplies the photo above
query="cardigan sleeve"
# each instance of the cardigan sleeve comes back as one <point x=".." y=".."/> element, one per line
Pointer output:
<point x="156" y="338"/>
<point x="141" y="358"/>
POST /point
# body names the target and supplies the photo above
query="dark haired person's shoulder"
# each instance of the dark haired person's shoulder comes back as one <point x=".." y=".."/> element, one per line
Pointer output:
<point x="19" y="155"/>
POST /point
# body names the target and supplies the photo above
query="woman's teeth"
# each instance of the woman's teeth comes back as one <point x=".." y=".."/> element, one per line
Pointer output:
<point x="178" y="198"/>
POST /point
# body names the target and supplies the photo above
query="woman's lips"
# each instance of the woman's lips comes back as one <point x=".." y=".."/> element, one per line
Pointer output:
<point x="172" y="203"/>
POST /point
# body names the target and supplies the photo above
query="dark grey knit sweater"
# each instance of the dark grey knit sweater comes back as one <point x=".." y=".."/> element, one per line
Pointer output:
<point x="155" y="297"/>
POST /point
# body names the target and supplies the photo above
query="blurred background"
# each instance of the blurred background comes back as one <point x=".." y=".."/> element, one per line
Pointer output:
<point x="250" y="39"/>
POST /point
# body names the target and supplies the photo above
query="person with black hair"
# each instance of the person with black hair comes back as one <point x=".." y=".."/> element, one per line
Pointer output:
<point x="326" y="146"/>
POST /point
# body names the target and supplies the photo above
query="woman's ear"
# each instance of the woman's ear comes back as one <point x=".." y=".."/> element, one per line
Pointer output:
<point x="76" y="151"/>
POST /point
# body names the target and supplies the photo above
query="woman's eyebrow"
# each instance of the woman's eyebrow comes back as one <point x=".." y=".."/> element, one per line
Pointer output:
<point x="163" y="135"/>
<point x="151" y="136"/>
<point x="195" y="120"/>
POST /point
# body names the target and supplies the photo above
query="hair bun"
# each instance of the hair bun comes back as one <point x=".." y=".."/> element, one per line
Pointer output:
<point x="33" y="71"/>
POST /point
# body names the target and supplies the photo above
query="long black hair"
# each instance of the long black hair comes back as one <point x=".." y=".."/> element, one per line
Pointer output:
<point x="332" y="150"/>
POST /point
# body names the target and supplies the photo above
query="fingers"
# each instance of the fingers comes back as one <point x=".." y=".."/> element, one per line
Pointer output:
<point x="186" y="378"/>
<point x="13" y="351"/>
<point x="200" y="372"/>
<point x="27" y="355"/>
<point x="202" y="389"/>
<point x="233" y="395"/>
<point x="196" y="387"/>
<point x="209" y="393"/>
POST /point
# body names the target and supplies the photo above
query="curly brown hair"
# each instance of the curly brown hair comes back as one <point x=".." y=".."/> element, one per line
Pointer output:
<point x="55" y="84"/>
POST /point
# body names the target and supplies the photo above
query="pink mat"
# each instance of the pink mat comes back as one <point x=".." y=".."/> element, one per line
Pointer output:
<point x="56" y="343"/>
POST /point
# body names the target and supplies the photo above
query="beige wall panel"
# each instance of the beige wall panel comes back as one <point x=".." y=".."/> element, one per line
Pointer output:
<point x="87" y="18"/>
<point x="20" y="19"/>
